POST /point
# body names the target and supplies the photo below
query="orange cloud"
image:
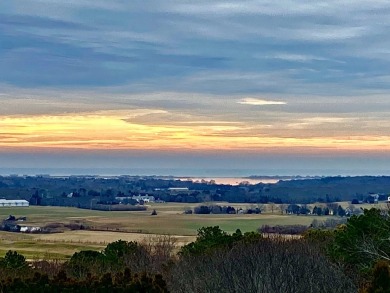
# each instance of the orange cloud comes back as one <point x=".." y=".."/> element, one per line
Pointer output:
<point x="115" y="130"/>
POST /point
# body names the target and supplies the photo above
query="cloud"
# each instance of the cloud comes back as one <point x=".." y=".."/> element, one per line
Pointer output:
<point x="98" y="44"/>
<point x="194" y="76"/>
<point x="259" y="102"/>
<point x="193" y="62"/>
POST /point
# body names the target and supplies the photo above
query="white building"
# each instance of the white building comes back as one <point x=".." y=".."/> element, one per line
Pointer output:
<point x="376" y="197"/>
<point x="144" y="198"/>
<point x="14" y="203"/>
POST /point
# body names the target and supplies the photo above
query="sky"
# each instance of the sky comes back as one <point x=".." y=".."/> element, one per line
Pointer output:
<point x="270" y="87"/>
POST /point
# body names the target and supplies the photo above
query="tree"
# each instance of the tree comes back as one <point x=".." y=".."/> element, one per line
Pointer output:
<point x="283" y="208"/>
<point x="13" y="260"/>
<point x="230" y="210"/>
<point x="209" y="238"/>
<point x="333" y="208"/>
<point x="326" y="211"/>
<point x="317" y="211"/>
<point x="116" y="251"/>
<point x="303" y="210"/>
<point x="363" y="240"/>
<point x="84" y="262"/>
<point x="341" y="211"/>
<point x="202" y="210"/>
<point x="215" y="209"/>
<point x="381" y="278"/>
<point x="293" y="209"/>
<point x="261" y="207"/>
<point x="272" y="207"/>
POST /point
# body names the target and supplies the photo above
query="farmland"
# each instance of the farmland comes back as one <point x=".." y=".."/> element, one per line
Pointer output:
<point x="102" y="227"/>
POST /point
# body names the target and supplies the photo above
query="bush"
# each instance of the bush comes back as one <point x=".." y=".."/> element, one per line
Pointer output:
<point x="84" y="263"/>
<point x="13" y="261"/>
<point x="329" y="223"/>
<point x="203" y="210"/>
<point x="211" y="238"/>
<point x="284" y="229"/>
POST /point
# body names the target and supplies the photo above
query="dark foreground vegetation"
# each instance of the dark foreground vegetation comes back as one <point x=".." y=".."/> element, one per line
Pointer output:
<point x="350" y="258"/>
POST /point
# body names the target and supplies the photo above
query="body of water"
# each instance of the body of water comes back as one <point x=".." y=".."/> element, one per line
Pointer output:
<point x="230" y="180"/>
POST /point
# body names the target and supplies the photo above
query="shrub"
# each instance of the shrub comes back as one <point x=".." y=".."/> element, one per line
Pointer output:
<point x="202" y="210"/>
<point x="13" y="261"/>
<point x="284" y="229"/>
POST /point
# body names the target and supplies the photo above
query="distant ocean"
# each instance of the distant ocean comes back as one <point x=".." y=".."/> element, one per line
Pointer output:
<point x="178" y="172"/>
<point x="232" y="180"/>
<point x="205" y="173"/>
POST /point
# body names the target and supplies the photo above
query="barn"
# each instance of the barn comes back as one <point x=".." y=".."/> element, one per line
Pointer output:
<point x="14" y="203"/>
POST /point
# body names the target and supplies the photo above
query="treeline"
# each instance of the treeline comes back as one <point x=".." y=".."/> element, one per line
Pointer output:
<point x="329" y="223"/>
<point x="82" y="190"/>
<point x="217" y="209"/>
<point x="330" y="209"/>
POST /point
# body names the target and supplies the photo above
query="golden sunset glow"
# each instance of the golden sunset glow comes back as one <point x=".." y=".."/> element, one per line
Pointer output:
<point x="116" y="130"/>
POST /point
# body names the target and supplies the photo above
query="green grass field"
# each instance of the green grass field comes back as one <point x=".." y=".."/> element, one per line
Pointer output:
<point x="127" y="226"/>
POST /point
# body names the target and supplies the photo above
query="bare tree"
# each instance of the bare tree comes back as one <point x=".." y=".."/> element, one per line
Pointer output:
<point x="283" y="208"/>
<point x="161" y="249"/>
<point x="261" y="207"/>
<point x="266" y="265"/>
<point x="272" y="206"/>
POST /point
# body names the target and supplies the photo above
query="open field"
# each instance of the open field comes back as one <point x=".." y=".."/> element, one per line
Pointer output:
<point x="131" y="226"/>
<point x="32" y="247"/>
<point x="170" y="219"/>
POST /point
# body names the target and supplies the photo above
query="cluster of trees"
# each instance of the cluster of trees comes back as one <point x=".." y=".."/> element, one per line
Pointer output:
<point x="330" y="209"/>
<point x="329" y="223"/>
<point x="216" y="261"/>
<point x="293" y="209"/>
<point x="216" y="209"/>
<point x="284" y="229"/>
<point x="360" y="247"/>
<point x="121" y="267"/>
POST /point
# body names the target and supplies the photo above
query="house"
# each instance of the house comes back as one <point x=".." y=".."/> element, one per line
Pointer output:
<point x="144" y="198"/>
<point x="14" y="203"/>
<point x="375" y="196"/>
<point x="27" y="229"/>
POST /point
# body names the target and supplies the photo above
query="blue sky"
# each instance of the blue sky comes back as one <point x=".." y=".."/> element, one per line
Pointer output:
<point x="314" y="71"/>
